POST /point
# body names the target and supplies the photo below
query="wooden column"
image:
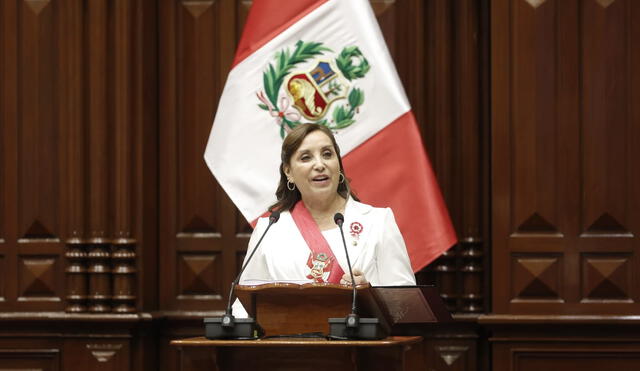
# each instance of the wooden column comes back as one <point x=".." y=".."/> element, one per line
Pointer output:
<point x="99" y="278"/>
<point x="71" y="112"/>
<point x="98" y="153"/>
<point x="472" y="298"/>
<point x="122" y="159"/>
<point x="76" y="278"/>
<point x="123" y="276"/>
<point x="446" y="278"/>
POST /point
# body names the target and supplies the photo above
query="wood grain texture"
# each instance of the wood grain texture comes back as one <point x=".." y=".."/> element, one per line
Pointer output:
<point x="562" y="134"/>
<point x="197" y="219"/>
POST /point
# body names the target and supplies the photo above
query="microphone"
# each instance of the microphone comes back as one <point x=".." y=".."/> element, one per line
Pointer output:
<point x="352" y="326"/>
<point x="352" y="319"/>
<point x="227" y="326"/>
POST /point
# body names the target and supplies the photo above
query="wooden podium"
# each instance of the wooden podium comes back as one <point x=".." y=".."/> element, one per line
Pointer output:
<point x="393" y="353"/>
<point x="292" y="309"/>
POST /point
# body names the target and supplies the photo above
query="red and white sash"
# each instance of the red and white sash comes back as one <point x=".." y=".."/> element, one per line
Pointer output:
<point x="322" y="262"/>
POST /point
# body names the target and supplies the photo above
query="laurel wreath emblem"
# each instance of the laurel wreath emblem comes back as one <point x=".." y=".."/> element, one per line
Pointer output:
<point x="351" y="63"/>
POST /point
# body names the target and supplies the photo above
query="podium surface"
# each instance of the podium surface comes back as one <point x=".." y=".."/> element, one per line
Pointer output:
<point x="393" y="353"/>
<point x="289" y="308"/>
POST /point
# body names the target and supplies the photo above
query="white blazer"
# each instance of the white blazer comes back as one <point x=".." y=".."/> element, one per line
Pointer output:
<point x="378" y="250"/>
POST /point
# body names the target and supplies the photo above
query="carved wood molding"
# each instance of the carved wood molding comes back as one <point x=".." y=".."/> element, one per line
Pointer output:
<point x="103" y="352"/>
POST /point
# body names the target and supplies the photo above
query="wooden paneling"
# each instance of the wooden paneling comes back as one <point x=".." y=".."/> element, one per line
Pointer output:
<point x="574" y="357"/>
<point x="3" y="116"/>
<point x="564" y="229"/>
<point x="98" y="354"/>
<point x="96" y="115"/>
<point x="598" y="352"/>
<point x="123" y="160"/>
<point x="455" y="133"/>
<point x="72" y="141"/>
<point x="604" y="112"/>
<point x="3" y="279"/>
<point x="30" y="359"/>
<point x="146" y="156"/>
<point x="198" y="222"/>
<point x="74" y="108"/>
<point x="62" y="341"/>
<point x="7" y="117"/>
<point x="447" y="354"/>
<point x="554" y="342"/>
<point x="72" y="112"/>
<point x="38" y="125"/>
<point x="31" y="156"/>
<point x="38" y="277"/>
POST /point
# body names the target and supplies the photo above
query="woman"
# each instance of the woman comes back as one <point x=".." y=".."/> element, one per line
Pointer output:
<point x="305" y="245"/>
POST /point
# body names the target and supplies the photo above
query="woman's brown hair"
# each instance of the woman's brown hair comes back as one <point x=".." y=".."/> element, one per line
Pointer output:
<point x="287" y="198"/>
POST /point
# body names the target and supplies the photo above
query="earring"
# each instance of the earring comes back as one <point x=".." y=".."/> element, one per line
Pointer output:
<point x="291" y="185"/>
<point x="341" y="178"/>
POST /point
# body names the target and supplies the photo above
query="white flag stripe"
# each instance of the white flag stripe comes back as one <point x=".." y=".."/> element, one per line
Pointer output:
<point x="243" y="149"/>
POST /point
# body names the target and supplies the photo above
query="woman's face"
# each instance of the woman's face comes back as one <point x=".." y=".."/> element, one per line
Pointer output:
<point x="314" y="167"/>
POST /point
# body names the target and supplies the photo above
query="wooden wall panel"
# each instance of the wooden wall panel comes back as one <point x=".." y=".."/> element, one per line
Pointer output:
<point x="534" y="143"/>
<point x="96" y="354"/>
<point x="73" y="105"/>
<point x="3" y="117"/>
<point x="199" y="224"/>
<point x="122" y="86"/>
<point x="122" y="89"/>
<point x="8" y="103"/>
<point x="71" y="342"/>
<point x="31" y="156"/>
<point x="3" y="277"/>
<point x="196" y="69"/>
<point x="455" y="134"/>
<point x="146" y="154"/>
<point x="592" y="355"/>
<point x="71" y="112"/>
<point x="605" y="118"/>
<point x="38" y="127"/>
<point x="97" y="117"/>
<point x="30" y="359"/>
<point x="565" y="236"/>
<point x="72" y="142"/>
<point x="451" y="355"/>
<point x="610" y="246"/>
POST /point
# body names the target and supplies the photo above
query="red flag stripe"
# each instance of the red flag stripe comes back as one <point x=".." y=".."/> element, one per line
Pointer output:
<point x="391" y="169"/>
<point x="267" y="19"/>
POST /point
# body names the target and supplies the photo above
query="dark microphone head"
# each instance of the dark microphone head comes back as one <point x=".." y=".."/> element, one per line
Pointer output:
<point x="275" y="215"/>
<point x="339" y="219"/>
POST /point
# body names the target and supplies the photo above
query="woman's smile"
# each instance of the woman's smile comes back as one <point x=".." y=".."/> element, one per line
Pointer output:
<point x="321" y="180"/>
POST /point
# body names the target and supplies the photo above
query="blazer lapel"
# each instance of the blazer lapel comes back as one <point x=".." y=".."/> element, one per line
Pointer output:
<point x="357" y="228"/>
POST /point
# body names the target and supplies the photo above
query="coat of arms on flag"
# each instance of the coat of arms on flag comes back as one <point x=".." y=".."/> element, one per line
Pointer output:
<point x="299" y="97"/>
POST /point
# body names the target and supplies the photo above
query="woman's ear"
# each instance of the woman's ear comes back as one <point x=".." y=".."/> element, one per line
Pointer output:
<point x="287" y="171"/>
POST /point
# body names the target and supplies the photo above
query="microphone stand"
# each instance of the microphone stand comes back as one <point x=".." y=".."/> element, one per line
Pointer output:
<point x="227" y="326"/>
<point x="352" y="326"/>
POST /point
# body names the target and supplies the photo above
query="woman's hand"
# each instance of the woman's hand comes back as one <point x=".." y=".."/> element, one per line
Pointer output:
<point x="357" y="275"/>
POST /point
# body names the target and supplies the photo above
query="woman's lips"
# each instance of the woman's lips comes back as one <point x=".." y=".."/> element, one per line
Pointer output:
<point x="321" y="180"/>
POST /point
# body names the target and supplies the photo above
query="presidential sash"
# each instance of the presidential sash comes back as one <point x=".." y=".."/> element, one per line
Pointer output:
<point x="322" y="262"/>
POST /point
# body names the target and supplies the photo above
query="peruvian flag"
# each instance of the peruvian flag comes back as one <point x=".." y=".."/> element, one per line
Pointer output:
<point x="325" y="61"/>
